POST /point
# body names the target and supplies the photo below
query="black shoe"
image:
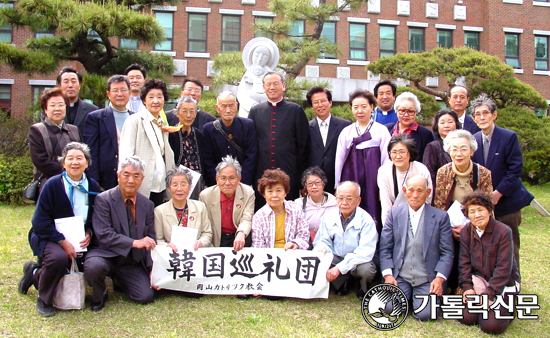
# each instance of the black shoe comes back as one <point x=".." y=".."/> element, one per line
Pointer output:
<point x="98" y="306"/>
<point x="344" y="289"/>
<point x="26" y="281"/>
<point x="243" y="296"/>
<point x="43" y="310"/>
<point x="360" y="293"/>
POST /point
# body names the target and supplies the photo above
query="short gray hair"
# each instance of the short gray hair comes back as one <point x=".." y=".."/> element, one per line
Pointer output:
<point x="183" y="99"/>
<point x="83" y="147"/>
<point x="179" y="171"/>
<point x="133" y="161"/>
<point x="117" y="79"/>
<point x="225" y="93"/>
<point x="459" y="133"/>
<point x="409" y="97"/>
<point x="355" y="184"/>
<point x="482" y="100"/>
<point x="274" y="72"/>
<point x="420" y="176"/>
<point x="229" y="161"/>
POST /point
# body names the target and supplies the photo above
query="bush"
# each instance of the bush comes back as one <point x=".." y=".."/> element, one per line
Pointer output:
<point x="14" y="134"/>
<point x="533" y="138"/>
<point x="15" y="174"/>
<point x="339" y="110"/>
<point x="427" y="102"/>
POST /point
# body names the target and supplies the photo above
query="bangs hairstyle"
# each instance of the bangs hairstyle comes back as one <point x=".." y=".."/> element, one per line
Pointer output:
<point x="272" y="177"/>
<point x="49" y="93"/>
<point x="154" y="84"/>
<point x="477" y="197"/>
<point x="364" y="94"/>
<point x="441" y="113"/>
<point x="408" y="142"/>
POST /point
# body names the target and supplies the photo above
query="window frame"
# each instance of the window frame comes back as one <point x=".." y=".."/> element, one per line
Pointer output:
<point x="508" y="58"/>
<point x="170" y="40"/>
<point x="6" y="103"/>
<point x="355" y="49"/>
<point x="450" y="32"/>
<point x="546" y="59"/>
<point x="388" y="52"/>
<point x="411" y="42"/>
<point x="258" y="33"/>
<point x="302" y="23"/>
<point x="7" y="29"/>
<point x="120" y="42"/>
<point x="228" y="43"/>
<point x="205" y="31"/>
<point x="326" y="55"/>
<point x="477" y="34"/>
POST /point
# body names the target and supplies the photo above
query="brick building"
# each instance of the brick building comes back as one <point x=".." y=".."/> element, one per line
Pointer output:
<point x="517" y="31"/>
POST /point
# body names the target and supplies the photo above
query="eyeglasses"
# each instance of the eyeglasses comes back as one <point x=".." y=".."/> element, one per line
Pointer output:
<point x="176" y="185"/>
<point x="274" y="84"/>
<point x="401" y="153"/>
<point x="317" y="183"/>
<point x="404" y="112"/>
<point x="231" y="179"/>
<point x="117" y="91"/>
<point x="349" y="200"/>
<point x="461" y="150"/>
<point x="323" y="101"/>
<point x="191" y="90"/>
<point x="57" y="106"/>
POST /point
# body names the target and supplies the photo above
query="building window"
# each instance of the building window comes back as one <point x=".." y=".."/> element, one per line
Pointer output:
<point x="416" y="40"/>
<point x="541" y="52"/>
<point x="471" y="39"/>
<point x="5" y="97"/>
<point x="128" y="43"/>
<point x="166" y="21"/>
<point x="357" y="41"/>
<point x="197" y="33"/>
<point x="511" y="50"/>
<point x="36" y="91"/>
<point x="329" y="33"/>
<point x="93" y="35"/>
<point x="231" y="33"/>
<point x="6" y="31"/>
<point x="260" y="33"/>
<point x="387" y="41"/>
<point x="44" y="33"/>
<point x="298" y="29"/>
<point x="445" y="38"/>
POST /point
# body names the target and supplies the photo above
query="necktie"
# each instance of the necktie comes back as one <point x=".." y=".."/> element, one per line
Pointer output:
<point x="132" y="227"/>
<point x="485" y="149"/>
<point x="324" y="132"/>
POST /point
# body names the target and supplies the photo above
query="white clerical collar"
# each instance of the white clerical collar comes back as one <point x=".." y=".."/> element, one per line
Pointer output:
<point x="274" y="104"/>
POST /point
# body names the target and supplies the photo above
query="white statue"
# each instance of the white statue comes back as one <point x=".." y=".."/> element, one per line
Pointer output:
<point x="260" y="55"/>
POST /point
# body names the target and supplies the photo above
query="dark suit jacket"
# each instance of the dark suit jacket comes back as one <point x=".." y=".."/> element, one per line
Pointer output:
<point x="110" y="224"/>
<point x="100" y="135"/>
<point x="422" y="136"/>
<point x="505" y="162"/>
<point x="438" y="241"/>
<point x="324" y="155"/>
<point x="175" y="140"/>
<point x="217" y="146"/>
<point x="53" y="203"/>
<point x="201" y="119"/>
<point x="84" y="108"/>
<point x="470" y="125"/>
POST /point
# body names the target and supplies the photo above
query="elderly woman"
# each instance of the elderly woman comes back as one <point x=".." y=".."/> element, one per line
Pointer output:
<point x="434" y="158"/>
<point x="68" y="194"/>
<point x="187" y="142"/>
<point x="279" y="223"/>
<point x="362" y="149"/>
<point x="487" y="265"/>
<point x="392" y="176"/>
<point x="316" y="202"/>
<point x="48" y="139"/>
<point x="456" y="179"/>
<point x="407" y="107"/>
<point x="181" y="212"/>
<point x="142" y="136"/>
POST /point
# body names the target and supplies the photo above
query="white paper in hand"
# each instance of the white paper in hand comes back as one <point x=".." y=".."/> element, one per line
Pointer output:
<point x="73" y="230"/>
<point x="183" y="237"/>
<point x="196" y="177"/>
<point x="455" y="214"/>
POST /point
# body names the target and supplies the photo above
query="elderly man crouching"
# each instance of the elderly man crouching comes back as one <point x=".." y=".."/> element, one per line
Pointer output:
<point x="349" y="233"/>
<point x="416" y="246"/>
<point x="230" y="206"/>
<point x="123" y="236"/>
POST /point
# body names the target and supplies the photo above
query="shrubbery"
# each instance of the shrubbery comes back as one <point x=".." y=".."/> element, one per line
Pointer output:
<point x="15" y="175"/>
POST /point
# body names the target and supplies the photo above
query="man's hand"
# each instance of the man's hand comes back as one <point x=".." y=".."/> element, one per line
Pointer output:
<point x="68" y="248"/>
<point x="146" y="242"/>
<point x="390" y="280"/>
<point x="456" y="231"/>
<point x="332" y="274"/>
<point x="238" y="243"/>
<point x="496" y="197"/>
<point x="86" y="241"/>
<point x="173" y="246"/>
<point x="437" y="286"/>
<point x="291" y="246"/>
<point x="467" y="292"/>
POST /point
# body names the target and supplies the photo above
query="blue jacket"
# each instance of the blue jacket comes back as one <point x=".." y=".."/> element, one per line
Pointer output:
<point x="505" y="162"/>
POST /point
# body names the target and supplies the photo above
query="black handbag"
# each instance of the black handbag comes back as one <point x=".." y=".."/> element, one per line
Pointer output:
<point x="30" y="193"/>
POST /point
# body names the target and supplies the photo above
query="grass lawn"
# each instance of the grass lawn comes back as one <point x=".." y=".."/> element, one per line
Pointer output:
<point x="225" y="316"/>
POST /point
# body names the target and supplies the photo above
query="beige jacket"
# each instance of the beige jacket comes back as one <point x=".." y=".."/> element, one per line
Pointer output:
<point x="243" y="209"/>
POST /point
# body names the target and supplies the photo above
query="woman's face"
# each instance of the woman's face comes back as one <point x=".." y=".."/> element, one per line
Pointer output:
<point x="154" y="101"/>
<point x="445" y="125"/>
<point x="56" y="109"/>
<point x="260" y="56"/>
<point x="275" y="195"/>
<point x="75" y="163"/>
<point x="187" y="112"/>
<point x="361" y="109"/>
<point x="314" y="185"/>
<point x="406" y="113"/>
<point x="478" y="215"/>
<point x="460" y="152"/>
<point x="179" y="188"/>
<point x="400" y="156"/>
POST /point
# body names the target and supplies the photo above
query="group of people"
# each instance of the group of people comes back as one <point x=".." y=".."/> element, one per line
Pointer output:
<point x="373" y="192"/>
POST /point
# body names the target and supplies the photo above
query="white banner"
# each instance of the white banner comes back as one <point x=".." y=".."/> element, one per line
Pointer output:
<point x="221" y="271"/>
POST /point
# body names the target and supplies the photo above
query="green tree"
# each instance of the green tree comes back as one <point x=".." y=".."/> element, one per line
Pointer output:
<point x="74" y="21"/>
<point x="475" y="68"/>
<point x="427" y="102"/>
